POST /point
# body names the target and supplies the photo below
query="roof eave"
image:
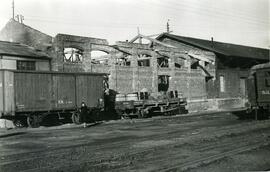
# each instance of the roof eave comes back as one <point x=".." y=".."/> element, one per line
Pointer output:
<point x="32" y="57"/>
<point x="203" y="47"/>
<point x="195" y="45"/>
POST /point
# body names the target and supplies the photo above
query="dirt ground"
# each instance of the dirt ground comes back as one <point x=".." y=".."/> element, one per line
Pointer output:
<point x="203" y="142"/>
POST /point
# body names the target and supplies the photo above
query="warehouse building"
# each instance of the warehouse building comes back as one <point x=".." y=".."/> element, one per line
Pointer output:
<point x="227" y="82"/>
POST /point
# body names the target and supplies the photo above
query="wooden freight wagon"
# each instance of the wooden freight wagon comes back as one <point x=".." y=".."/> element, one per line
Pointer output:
<point x="262" y="85"/>
<point x="259" y="90"/>
<point x="32" y="95"/>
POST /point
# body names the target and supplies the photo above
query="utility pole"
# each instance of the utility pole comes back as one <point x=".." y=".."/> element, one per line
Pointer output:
<point x="20" y="18"/>
<point x="168" y="26"/>
<point x="13" y="9"/>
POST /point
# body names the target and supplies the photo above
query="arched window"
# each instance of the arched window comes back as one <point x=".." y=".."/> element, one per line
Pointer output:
<point x="73" y="55"/>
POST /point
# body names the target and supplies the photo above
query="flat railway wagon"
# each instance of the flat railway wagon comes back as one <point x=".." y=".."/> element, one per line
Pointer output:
<point x="31" y="96"/>
<point x="136" y="106"/>
<point x="258" y="82"/>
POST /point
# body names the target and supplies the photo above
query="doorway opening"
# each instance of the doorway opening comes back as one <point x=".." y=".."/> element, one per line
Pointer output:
<point x="163" y="83"/>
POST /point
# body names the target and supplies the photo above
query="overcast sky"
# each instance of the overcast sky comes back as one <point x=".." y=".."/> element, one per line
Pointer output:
<point x="243" y="22"/>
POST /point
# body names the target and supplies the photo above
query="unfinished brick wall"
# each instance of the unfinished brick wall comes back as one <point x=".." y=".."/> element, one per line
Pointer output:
<point x="197" y="88"/>
<point x="99" y="68"/>
<point x="192" y="84"/>
<point x="85" y="44"/>
<point x="145" y="76"/>
<point x="125" y="79"/>
<point x="134" y="78"/>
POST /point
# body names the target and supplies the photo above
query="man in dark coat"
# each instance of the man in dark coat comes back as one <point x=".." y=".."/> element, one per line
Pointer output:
<point x="84" y="112"/>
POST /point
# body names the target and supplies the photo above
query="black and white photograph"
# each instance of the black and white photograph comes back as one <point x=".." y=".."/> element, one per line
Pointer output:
<point x="134" y="85"/>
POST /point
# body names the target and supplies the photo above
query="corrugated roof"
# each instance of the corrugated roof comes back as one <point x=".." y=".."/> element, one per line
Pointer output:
<point x="21" y="50"/>
<point x="226" y="49"/>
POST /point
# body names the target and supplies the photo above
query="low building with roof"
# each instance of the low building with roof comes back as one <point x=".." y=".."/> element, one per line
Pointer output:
<point x="227" y="82"/>
<point x="17" y="56"/>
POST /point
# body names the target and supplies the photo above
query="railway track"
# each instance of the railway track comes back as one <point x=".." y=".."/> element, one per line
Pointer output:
<point x="64" y="154"/>
<point x="212" y="158"/>
<point x="99" y="163"/>
<point x="207" y="153"/>
<point x="85" y="142"/>
<point x="111" y="127"/>
<point x="226" y="148"/>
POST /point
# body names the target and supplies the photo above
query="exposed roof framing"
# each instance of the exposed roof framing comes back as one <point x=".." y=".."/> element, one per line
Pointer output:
<point x="139" y="36"/>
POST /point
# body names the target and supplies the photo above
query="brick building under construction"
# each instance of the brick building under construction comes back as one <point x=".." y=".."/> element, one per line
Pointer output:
<point x="210" y="74"/>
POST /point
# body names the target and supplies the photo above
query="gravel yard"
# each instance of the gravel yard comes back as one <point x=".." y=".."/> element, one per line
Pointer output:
<point x="207" y="142"/>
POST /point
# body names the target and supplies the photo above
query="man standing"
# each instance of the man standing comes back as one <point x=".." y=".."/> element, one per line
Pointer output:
<point x="84" y="112"/>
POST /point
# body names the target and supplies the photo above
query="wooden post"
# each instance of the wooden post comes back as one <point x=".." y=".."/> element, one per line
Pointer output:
<point x="135" y="75"/>
<point x="256" y="114"/>
<point x="13" y="7"/>
<point x="172" y="84"/>
<point x="154" y="72"/>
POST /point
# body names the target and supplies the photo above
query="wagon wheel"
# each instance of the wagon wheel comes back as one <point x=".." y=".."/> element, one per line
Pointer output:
<point x="18" y="123"/>
<point x="76" y="118"/>
<point x="33" y="121"/>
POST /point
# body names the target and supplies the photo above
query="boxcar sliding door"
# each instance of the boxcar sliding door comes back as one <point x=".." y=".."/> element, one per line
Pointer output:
<point x="89" y="89"/>
<point x="63" y="91"/>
